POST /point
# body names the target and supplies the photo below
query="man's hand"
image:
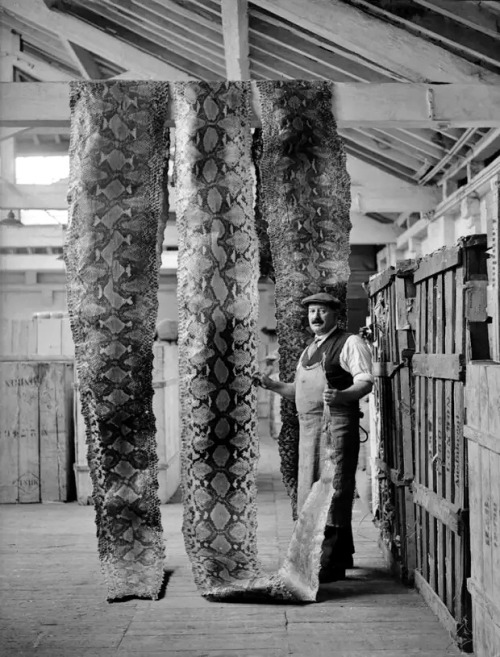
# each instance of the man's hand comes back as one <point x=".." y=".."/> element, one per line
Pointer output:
<point x="265" y="381"/>
<point x="331" y="396"/>
<point x="286" y="390"/>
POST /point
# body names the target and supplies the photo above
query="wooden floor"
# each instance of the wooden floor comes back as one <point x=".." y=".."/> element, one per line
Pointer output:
<point x="53" y="596"/>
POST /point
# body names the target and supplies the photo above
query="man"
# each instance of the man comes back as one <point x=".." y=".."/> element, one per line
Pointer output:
<point x="334" y="372"/>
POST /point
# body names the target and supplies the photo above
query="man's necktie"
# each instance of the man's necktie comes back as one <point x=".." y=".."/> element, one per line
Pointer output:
<point x="313" y="347"/>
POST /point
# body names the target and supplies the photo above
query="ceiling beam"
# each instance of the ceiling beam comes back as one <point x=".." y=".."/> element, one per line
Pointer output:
<point x="474" y="15"/>
<point x="485" y="147"/>
<point x="396" y="105"/>
<point x="99" y="42"/>
<point x="382" y="146"/>
<point x="409" y="140"/>
<point x="410" y="56"/>
<point x="33" y="197"/>
<point x="312" y="47"/>
<point x="437" y="28"/>
<point x="10" y="133"/>
<point x="366" y="230"/>
<point x="40" y="70"/>
<point x="235" y="33"/>
<point x="404" y="197"/>
<point x="398" y="197"/>
<point x="167" y="19"/>
<point x="12" y="56"/>
<point x="83" y="59"/>
<point x="385" y="164"/>
<point x="184" y="52"/>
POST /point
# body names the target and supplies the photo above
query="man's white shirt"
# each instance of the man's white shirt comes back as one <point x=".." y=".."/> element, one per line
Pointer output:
<point x="355" y="356"/>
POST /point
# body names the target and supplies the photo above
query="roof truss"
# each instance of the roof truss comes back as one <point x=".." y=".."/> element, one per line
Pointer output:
<point x="405" y="54"/>
<point x="389" y="105"/>
<point x="235" y="31"/>
<point x="103" y="44"/>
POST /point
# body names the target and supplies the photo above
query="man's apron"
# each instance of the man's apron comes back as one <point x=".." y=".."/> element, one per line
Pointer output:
<point x="334" y="433"/>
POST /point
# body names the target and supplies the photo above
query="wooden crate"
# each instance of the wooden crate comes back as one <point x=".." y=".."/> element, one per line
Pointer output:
<point x="53" y="334"/>
<point x="451" y="329"/>
<point x="482" y="430"/>
<point x="36" y="434"/>
<point x="392" y="317"/>
<point x="166" y="411"/>
<point x="46" y="335"/>
<point x="18" y="337"/>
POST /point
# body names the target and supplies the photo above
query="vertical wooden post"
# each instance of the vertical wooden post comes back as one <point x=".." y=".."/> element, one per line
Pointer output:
<point x="493" y="290"/>
<point x="392" y="303"/>
<point x="405" y="302"/>
<point x="10" y="44"/>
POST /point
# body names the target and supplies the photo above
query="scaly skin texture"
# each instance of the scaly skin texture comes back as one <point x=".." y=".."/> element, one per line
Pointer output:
<point x="119" y="150"/>
<point x="218" y="301"/>
<point x="305" y="199"/>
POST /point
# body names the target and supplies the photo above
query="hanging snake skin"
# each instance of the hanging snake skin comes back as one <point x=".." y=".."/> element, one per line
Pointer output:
<point x="305" y="199"/>
<point x="118" y="154"/>
<point x="119" y="150"/>
<point x="218" y="299"/>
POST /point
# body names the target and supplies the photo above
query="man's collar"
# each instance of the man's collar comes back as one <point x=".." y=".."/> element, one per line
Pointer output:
<point x="319" y="339"/>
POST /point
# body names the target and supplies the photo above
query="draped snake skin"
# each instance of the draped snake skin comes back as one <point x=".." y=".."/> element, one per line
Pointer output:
<point x="305" y="199"/>
<point x="117" y="208"/>
<point x="218" y="298"/>
<point x="119" y="150"/>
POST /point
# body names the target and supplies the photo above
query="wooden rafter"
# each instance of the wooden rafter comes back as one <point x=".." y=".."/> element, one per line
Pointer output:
<point x="411" y="57"/>
<point x="408" y="141"/>
<point x="472" y="14"/>
<point x="320" y="49"/>
<point x="34" y="36"/>
<point x="396" y="197"/>
<point x="12" y="54"/>
<point x="439" y="28"/>
<point x="10" y="133"/>
<point x="486" y="146"/>
<point x="387" y="105"/>
<point x="115" y="50"/>
<point x="491" y="5"/>
<point x="172" y="16"/>
<point x="384" y="148"/>
<point x="448" y="156"/>
<point x="285" y="56"/>
<point x="385" y="164"/>
<point x="152" y="25"/>
<point x="235" y="32"/>
<point x="281" y="65"/>
<point x="40" y="70"/>
<point x="83" y="59"/>
<point x="186" y="13"/>
<point x="173" y="49"/>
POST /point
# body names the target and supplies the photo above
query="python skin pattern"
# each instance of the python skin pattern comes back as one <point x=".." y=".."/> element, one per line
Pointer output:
<point x="119" y="154"/>
<point x="217" y="298"/>
<point x="305" y="199"/>
<point x="119" y="149"/>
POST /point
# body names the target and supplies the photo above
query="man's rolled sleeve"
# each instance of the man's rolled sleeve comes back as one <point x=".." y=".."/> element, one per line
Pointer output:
<point x="356" y="359"/>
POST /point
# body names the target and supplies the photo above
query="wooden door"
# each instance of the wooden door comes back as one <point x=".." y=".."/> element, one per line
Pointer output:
<point x="451" y="329"/>
<point x="392" y="298"/>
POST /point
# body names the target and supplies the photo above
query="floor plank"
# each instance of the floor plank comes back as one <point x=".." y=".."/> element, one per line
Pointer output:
<point x="53" y="601"/>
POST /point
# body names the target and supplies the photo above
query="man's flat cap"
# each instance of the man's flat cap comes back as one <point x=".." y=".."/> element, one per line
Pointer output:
<point x="324" y="298"/>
